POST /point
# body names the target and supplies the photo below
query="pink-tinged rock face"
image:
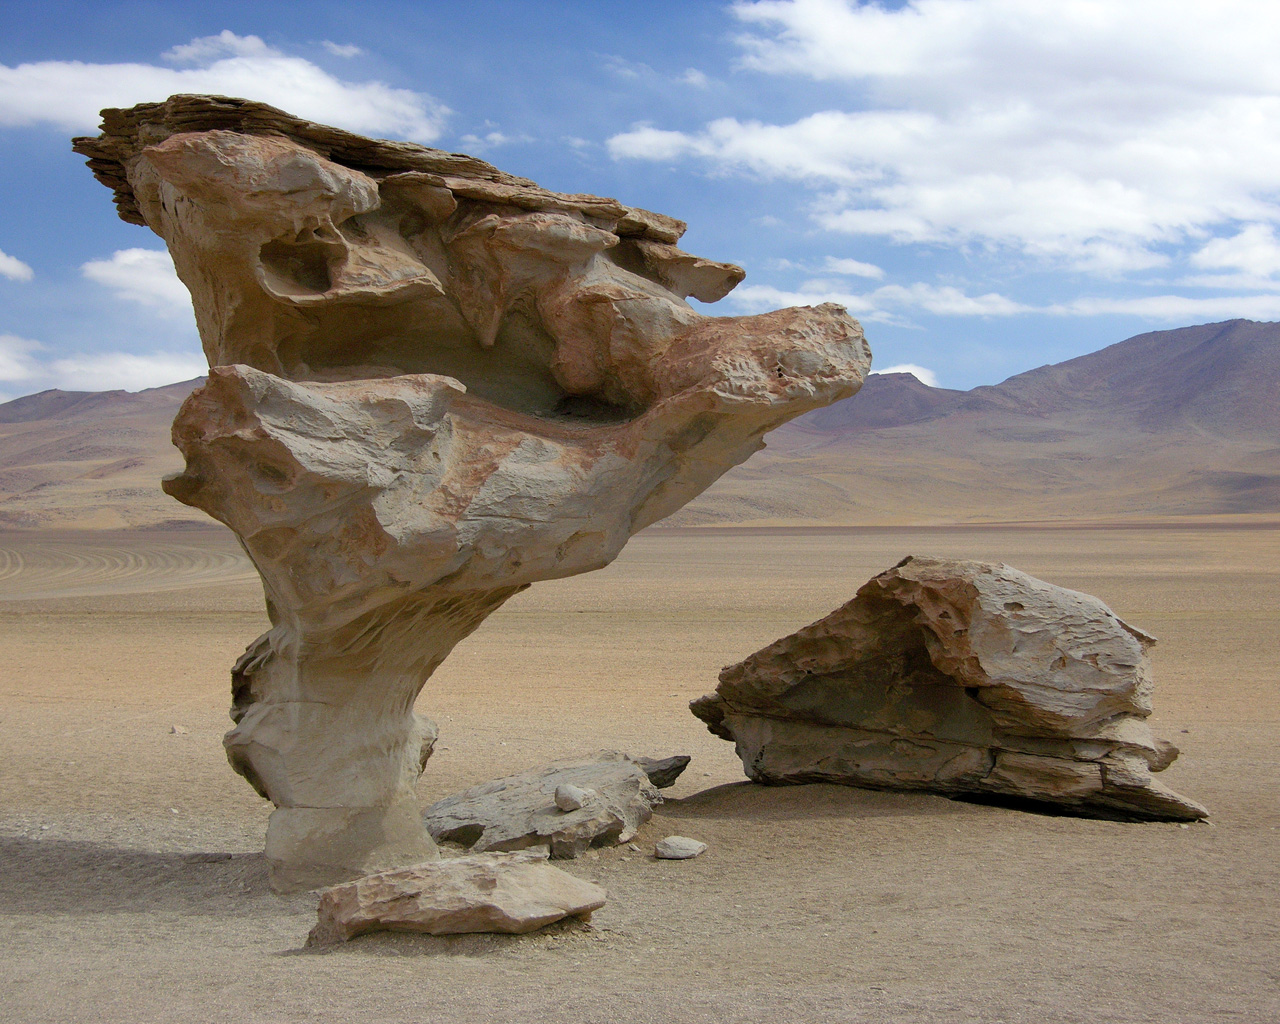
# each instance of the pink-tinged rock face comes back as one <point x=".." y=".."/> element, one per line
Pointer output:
<point x="432" y="384"/>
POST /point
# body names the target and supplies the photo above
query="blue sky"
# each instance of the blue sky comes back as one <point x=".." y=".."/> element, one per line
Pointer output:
<point x="989" y="185"/>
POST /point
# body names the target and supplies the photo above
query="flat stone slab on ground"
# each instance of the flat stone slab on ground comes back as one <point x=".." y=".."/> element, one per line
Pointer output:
<point x="488" y="892"/>
<point x="520" y="811"/>
<point x="678" y="848"/>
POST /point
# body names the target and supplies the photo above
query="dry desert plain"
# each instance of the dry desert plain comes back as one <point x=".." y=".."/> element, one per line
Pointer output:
<point x="132" y="889"/>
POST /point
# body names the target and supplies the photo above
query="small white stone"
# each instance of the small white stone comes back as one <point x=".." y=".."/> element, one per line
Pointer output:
<point x="571" y="798"/>
<point x="178" y="730"/>
<point x="678" y="848"/>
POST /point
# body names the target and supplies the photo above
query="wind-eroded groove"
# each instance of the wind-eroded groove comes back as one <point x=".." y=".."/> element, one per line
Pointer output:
<point x="45" y="569"/>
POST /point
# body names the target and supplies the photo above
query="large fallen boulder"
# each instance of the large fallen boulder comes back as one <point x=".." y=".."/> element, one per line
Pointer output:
<point x="960" y="678"/>
<point x="488" y="892"/>
<point x="521" y="811"/>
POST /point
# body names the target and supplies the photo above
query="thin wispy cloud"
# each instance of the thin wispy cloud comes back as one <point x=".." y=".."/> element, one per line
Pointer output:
<point x="67" y="94"/>
<point x="27" y="366"/>
<point x="344" y="50"/>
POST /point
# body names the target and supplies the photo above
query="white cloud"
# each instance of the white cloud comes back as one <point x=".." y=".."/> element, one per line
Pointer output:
<point x="107" y="371"/>
<point x="145" y="276"/>
<point x="27" y="367"/>
<point x="852" y="268"/>
<point x="344" y="50"/>
<point x="491" y="140"/>
<point x="1110" y="137"/>
<point x="921" y="373"/>
<point x="69" y="94"/>
<point x="224" y="44"/>
<point x="696" y="78"/>
<point x="890" y="303"/>
<point x="17" y="362"/>
<point x="14" y="269"/>
<point x="881" y="305"/>
<point x="1176" y="308"/>
<point x="1254" y="251"/>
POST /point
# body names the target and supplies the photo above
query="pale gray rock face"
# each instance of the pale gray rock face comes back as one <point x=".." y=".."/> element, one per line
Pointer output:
<point x="569" y="797"/>
<point x="432" y="384"/>
<point x="960" y="678"/>
<point x="678" y="848"/>
<point x="522" y="811"/>
<point x="488" y="892"/>
<point x="663" y="772"/>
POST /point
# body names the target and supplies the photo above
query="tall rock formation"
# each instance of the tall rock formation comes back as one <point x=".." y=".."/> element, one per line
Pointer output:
<point x="432" y="384"/>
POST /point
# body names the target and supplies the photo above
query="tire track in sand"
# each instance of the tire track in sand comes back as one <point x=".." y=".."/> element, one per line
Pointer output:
<point x="43" y="568"/>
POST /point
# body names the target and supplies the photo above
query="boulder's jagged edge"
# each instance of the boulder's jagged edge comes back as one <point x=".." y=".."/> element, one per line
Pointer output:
<point x="957" y="677"/>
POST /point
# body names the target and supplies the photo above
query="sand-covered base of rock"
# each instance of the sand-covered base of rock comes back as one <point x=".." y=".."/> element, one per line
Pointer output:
<point x="134" y="887"/>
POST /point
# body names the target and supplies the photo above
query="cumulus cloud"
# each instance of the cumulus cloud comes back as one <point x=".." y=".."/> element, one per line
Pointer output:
<point x="145" y="276"/>
<point x="14" y="269"/>
<point x="1249" y="259"/>
<point x="17" y="358"/>
<point x="1108" y="137"/>
<point x="69" y="94"/>
<point x="923" y="374"/>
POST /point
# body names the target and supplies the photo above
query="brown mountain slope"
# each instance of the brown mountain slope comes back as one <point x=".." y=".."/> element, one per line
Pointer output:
<point x="1182" y="422"/>
<point x="90" y="459"/>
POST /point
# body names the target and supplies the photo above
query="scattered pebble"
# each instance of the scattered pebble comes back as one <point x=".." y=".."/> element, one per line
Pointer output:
<point x="633" y="848"/>
<point x="178" y="730"/>
<point x="678" y="848"/>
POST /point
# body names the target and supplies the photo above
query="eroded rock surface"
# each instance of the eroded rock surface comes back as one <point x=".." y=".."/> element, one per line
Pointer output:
<point x="521" y="811"/>
<point x="432" y="384"/>
<point x="957" y="677"/>
<point x="488" y="892"/>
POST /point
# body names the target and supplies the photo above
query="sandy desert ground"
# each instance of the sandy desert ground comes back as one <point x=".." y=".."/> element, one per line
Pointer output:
<point x="131" y="887"/>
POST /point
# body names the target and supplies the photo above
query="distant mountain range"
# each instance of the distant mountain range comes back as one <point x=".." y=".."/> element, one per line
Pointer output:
<point x="1182" y="422"/>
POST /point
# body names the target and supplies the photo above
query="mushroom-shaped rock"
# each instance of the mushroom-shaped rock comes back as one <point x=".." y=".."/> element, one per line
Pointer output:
<point x="961" y="678"/>
<point x="431" y="384"/>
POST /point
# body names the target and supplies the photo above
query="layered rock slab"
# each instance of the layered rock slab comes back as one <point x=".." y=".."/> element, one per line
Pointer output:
<point x="963" y="678"/>
<point x="432" y="384"/>
<point x="522" y="811"/>
<point x="490" y="892"/>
